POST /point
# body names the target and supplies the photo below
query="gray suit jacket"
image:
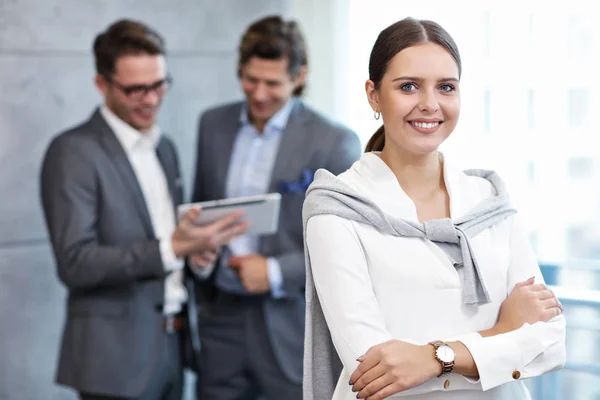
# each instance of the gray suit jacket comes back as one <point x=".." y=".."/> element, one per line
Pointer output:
<point x="108" y="257"/>
<point x="310" y="141"/>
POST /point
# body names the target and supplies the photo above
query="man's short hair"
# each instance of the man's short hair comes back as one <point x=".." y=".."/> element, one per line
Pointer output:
<point x="125" y="37"/>
<point x="272" y="38"/>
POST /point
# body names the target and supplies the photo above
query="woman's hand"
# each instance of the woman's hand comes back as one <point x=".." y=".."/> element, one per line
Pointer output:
<point x="393" y="367"/>
<point x="527" y="303"/>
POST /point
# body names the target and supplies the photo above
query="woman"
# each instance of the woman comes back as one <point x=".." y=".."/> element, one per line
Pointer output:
<point x="419" y="272"/>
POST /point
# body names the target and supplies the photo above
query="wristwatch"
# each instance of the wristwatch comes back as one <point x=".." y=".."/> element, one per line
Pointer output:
<point x="443" y="354"/>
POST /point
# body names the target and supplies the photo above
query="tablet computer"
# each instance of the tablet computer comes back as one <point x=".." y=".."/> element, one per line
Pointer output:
<point x="261" y="210"/>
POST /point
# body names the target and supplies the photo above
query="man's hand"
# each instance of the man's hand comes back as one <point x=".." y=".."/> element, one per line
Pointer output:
<point x="252" y="270"/>
<point x="190" y="238"/>
<point x="204" y="259"/>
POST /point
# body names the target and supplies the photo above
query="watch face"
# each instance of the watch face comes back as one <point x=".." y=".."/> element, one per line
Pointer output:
<point x="445" y="353"/>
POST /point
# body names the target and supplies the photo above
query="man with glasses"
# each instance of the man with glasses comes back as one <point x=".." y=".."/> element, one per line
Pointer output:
<point x="109" y="190"/>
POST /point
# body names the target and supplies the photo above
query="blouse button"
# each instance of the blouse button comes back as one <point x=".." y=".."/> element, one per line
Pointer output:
<point x="516" y="375"/>
<point x="447" y="384"/>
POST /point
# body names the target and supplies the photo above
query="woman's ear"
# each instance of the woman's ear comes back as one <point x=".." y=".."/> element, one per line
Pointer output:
<point x="372" y="95"/>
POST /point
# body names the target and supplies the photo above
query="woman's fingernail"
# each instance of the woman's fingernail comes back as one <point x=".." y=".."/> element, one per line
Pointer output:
<point x="359" y="359"/>
<point x="350" y="382"/>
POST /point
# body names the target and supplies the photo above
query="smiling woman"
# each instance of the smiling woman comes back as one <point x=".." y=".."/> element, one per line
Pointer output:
<point x="518" y="117"/>
<point x="420" y="271"/>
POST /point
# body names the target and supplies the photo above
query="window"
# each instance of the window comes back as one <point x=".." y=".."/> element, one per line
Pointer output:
<point x="487" y="34"/>
<point x="580" y="35"/>
<point x="531" y="108"/>
<point x="582" y="243"/>
<point x="580" y="168"/>
<point x="487" y="110"/>
<point x="579" y="100"/>
<point x="531" y="173"/>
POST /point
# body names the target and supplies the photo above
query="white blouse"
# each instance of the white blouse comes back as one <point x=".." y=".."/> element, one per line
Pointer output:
<point x="375" y="287"/>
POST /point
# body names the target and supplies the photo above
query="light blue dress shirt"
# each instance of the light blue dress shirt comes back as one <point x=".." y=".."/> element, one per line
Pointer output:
<point x="250" y="171"/>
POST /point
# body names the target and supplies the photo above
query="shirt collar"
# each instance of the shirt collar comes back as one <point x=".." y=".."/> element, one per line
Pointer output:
<point x="129" y="137"/>
<point x="381" y="185"/>
<point x="278" y="121"/>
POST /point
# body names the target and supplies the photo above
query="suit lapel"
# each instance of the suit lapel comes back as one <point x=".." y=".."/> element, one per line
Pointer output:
<point x="117" y="155"/>
<point x="293" y="143"/>
<point x="165" y="157"/>
<point x="223" y="145"/>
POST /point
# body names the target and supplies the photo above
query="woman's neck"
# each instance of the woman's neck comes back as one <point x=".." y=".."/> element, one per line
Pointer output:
<point x="420" y="176"/>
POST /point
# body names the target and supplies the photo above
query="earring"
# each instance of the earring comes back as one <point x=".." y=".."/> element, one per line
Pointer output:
<point x="377" y="115"/>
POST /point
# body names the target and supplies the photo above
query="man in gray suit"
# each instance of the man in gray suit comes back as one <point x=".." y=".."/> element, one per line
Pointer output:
<point x="109" y="190"/>
<point x="252" y="323"/>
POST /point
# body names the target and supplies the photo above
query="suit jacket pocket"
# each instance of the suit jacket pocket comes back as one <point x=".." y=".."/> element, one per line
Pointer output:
<point x="92" y="306"/>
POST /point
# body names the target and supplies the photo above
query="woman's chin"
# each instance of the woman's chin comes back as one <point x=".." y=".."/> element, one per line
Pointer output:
<point x="429" y="145"/>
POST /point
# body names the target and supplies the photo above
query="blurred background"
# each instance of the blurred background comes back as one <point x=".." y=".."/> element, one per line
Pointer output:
<point x="529" y="73"/>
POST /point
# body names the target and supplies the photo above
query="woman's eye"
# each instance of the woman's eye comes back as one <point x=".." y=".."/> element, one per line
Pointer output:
<point x="447" y="88"/>
<point x="408" y="87"/>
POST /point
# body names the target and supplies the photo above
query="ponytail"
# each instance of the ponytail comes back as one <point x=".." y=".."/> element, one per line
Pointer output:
<point x="377" y="141"/>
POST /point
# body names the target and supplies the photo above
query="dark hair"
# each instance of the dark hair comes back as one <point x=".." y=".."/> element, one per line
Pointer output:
<point x="272" y="38"/>
<point x="125" y="37"/>
<point x="392" y="40"/>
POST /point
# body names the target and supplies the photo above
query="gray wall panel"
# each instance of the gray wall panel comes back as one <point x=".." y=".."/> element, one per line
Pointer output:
<point x="46" y="86"/>
<point x="70" y="25"/>
<point x="32" y="314"/>
<point x="41" y="96"/>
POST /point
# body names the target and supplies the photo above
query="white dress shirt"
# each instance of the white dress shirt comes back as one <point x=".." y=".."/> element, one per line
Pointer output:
<point x="140" y="149"/>
<point x="250" y="171"/>
<point x="375" y="287"/>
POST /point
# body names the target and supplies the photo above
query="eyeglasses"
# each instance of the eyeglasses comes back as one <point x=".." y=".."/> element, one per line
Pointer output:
<point x="138" y="92"/>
